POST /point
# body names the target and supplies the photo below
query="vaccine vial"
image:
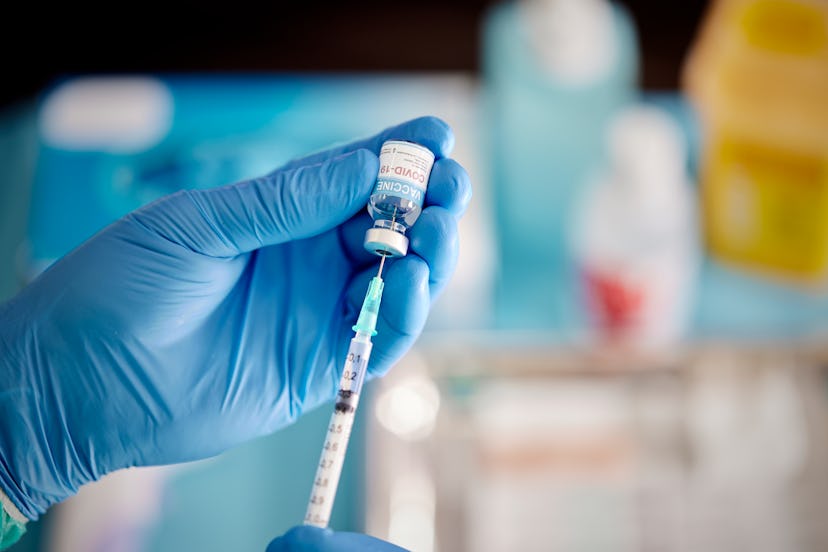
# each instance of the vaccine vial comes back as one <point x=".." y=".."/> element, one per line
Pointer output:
<point x="398" y="196"/>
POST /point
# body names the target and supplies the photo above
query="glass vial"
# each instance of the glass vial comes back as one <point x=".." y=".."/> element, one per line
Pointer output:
<point x="398" y="196"/>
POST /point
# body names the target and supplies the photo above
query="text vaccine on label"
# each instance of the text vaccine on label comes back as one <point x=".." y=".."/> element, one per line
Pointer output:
<point x="398" y="196"/>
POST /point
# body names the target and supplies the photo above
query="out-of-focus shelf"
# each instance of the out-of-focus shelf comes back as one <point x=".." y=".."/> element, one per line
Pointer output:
<point x="521" y="354"/>
<point x="720" y="447"/>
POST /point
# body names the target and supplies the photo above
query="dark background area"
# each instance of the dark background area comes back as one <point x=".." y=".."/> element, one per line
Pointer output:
<point x="323" y="36"/>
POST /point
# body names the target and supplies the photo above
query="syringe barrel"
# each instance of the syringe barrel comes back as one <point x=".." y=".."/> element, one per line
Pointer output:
<point x="332" y="458"/>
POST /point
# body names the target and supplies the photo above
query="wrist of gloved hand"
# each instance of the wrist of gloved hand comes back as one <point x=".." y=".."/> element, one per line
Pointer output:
<point x="29" y="444"/>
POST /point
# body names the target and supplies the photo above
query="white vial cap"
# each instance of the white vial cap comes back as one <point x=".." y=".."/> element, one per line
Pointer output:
<point x="384" y="241"/>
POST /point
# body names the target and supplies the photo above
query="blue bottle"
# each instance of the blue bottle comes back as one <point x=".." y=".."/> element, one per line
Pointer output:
<point x="554" y="73"/>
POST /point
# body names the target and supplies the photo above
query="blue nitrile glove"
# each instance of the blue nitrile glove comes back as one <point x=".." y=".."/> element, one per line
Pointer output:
<point x="312" y="539"/>
<point x="210" y="317"/>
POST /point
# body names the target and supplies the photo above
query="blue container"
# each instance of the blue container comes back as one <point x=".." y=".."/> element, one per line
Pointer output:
<point x="548" y="100"/>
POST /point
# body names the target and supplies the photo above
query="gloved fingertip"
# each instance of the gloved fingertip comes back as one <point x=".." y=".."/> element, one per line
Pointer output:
<point x="361" y="162"/>
<point x="354" y="173"/>
<point x="435" y="239"/>
<point x="406" y="296"/>
<point x="361" y="154"/>
<point x="449" y="187"/>
<point x="302" y="202"/>
<point x="429" y="131"/>
<point x="441" y="134"/>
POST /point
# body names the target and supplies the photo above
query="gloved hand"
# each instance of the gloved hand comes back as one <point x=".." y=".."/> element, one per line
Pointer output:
<point x="305" y="538"/>
<point x="210" y="317"/>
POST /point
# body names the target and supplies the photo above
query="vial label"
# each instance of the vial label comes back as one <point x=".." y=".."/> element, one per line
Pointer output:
<point x="404" y="170"/>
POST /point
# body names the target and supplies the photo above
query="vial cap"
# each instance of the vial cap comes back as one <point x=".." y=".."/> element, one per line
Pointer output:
<point x="383" y="241"/>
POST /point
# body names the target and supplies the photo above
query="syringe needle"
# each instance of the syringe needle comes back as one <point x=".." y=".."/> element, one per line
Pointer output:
<point x="382" y="263"/>
<point x="384" y="255"/>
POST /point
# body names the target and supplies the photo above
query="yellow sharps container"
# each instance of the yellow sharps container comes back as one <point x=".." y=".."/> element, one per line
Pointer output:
<point x="758" y="77"/>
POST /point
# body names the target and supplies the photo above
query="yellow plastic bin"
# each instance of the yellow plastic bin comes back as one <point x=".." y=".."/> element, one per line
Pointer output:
<point x="758" y="77"/>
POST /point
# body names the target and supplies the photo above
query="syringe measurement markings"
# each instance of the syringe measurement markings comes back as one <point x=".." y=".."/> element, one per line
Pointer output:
<point x="337" y="435"/>
<point x="330" y="465"/>
<point x="334" y="444"/>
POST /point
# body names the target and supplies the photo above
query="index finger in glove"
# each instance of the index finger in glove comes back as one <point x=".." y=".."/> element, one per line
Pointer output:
<point x="430" y="132"/>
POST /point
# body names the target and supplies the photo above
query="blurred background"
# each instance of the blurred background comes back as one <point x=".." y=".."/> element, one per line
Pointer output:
<point x="633" y="354"/>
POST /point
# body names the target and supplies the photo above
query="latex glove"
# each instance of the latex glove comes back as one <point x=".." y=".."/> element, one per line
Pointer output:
<point x="210" y="317"/>
<point x="312" y="539"/>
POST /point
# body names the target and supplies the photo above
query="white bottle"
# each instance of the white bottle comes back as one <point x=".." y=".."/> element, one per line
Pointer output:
<point x="636" y="236"/>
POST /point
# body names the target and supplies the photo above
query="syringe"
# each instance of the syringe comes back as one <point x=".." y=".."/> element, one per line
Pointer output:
<point x="339" y="428"/>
